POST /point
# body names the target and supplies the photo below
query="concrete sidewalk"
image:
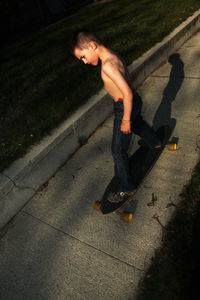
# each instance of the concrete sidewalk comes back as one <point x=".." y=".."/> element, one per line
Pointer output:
<point x="59" y="248"/>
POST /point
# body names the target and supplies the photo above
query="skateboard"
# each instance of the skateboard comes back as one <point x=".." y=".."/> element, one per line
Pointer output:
<point x="141" y="162"/>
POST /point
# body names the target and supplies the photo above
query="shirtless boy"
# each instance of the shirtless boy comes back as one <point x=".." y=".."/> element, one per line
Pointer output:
<point x="127" y="106"/>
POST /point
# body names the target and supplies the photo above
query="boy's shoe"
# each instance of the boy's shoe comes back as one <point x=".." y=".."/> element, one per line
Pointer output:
<point x="117" y="197"/>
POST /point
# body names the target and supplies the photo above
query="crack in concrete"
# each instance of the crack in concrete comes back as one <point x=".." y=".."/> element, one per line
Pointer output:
<point x="15" y="185"/>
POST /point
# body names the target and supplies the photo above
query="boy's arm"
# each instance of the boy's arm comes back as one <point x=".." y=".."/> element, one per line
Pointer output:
<point x="111" y="70"/>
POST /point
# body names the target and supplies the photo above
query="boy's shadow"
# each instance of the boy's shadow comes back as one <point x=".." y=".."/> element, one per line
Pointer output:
<point x="163" y="113"/>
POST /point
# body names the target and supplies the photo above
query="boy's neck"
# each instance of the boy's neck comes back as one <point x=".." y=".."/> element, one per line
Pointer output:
<point x="103" y="52"/>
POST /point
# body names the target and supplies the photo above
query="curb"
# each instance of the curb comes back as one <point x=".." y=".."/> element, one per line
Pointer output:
<point x="25" y="176"/>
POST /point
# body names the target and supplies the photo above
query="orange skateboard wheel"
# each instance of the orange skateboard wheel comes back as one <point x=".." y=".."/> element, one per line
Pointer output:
<point x="97" y="206"/>
<point x="172" y="146"/>
<point x="126" y="217"/>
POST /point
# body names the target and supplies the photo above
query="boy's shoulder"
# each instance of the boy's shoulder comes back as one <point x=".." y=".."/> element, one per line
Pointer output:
<point x="112" y="61"/>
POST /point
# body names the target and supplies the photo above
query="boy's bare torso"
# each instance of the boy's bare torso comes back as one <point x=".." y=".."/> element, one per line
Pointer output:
<point x="114" y="74"/>
<point x="119" y="64"/>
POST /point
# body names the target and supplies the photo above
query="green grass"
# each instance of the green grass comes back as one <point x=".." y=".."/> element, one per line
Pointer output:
<point x="173" y="273"/>
<point x="42" y="84"/>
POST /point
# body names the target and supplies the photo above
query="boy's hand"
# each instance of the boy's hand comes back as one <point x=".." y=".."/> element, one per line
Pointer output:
<point x="126" y="127"/>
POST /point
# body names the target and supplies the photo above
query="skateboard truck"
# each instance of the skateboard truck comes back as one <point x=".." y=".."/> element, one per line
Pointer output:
<point x="172" y="146"/>
<point x="124" y="216"/>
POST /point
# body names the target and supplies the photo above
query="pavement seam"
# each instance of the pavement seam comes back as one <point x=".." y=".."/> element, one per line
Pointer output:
<point x="84" y="243"/>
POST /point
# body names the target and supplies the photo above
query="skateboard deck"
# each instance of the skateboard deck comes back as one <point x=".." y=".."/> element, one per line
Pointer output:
<point x="141" y="162"/>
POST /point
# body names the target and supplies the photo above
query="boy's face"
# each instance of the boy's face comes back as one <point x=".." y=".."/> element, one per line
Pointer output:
<point x="88" y="55"/>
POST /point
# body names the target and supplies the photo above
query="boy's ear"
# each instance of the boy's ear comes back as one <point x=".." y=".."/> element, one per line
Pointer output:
<point x="92" y="45"/>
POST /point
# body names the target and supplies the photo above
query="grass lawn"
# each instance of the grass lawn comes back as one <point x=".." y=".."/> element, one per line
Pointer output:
<point x="41" y="83"/>
<point x="174" y="273"/>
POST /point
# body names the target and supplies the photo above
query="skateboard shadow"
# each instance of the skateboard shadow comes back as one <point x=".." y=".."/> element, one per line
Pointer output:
<point x="164" y="111"/>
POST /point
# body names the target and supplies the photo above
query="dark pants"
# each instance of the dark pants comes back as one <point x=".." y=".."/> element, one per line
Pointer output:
<point x="121" y="141"/>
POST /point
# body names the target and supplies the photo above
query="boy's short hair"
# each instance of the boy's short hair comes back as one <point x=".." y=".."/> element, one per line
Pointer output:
<point x="82" y="37"/>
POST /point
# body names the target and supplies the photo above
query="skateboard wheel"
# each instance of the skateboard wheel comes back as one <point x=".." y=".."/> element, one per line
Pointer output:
<point x="97" y="206"/>
<point x="172" y="146"/>
<point x="126" y="217"/>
